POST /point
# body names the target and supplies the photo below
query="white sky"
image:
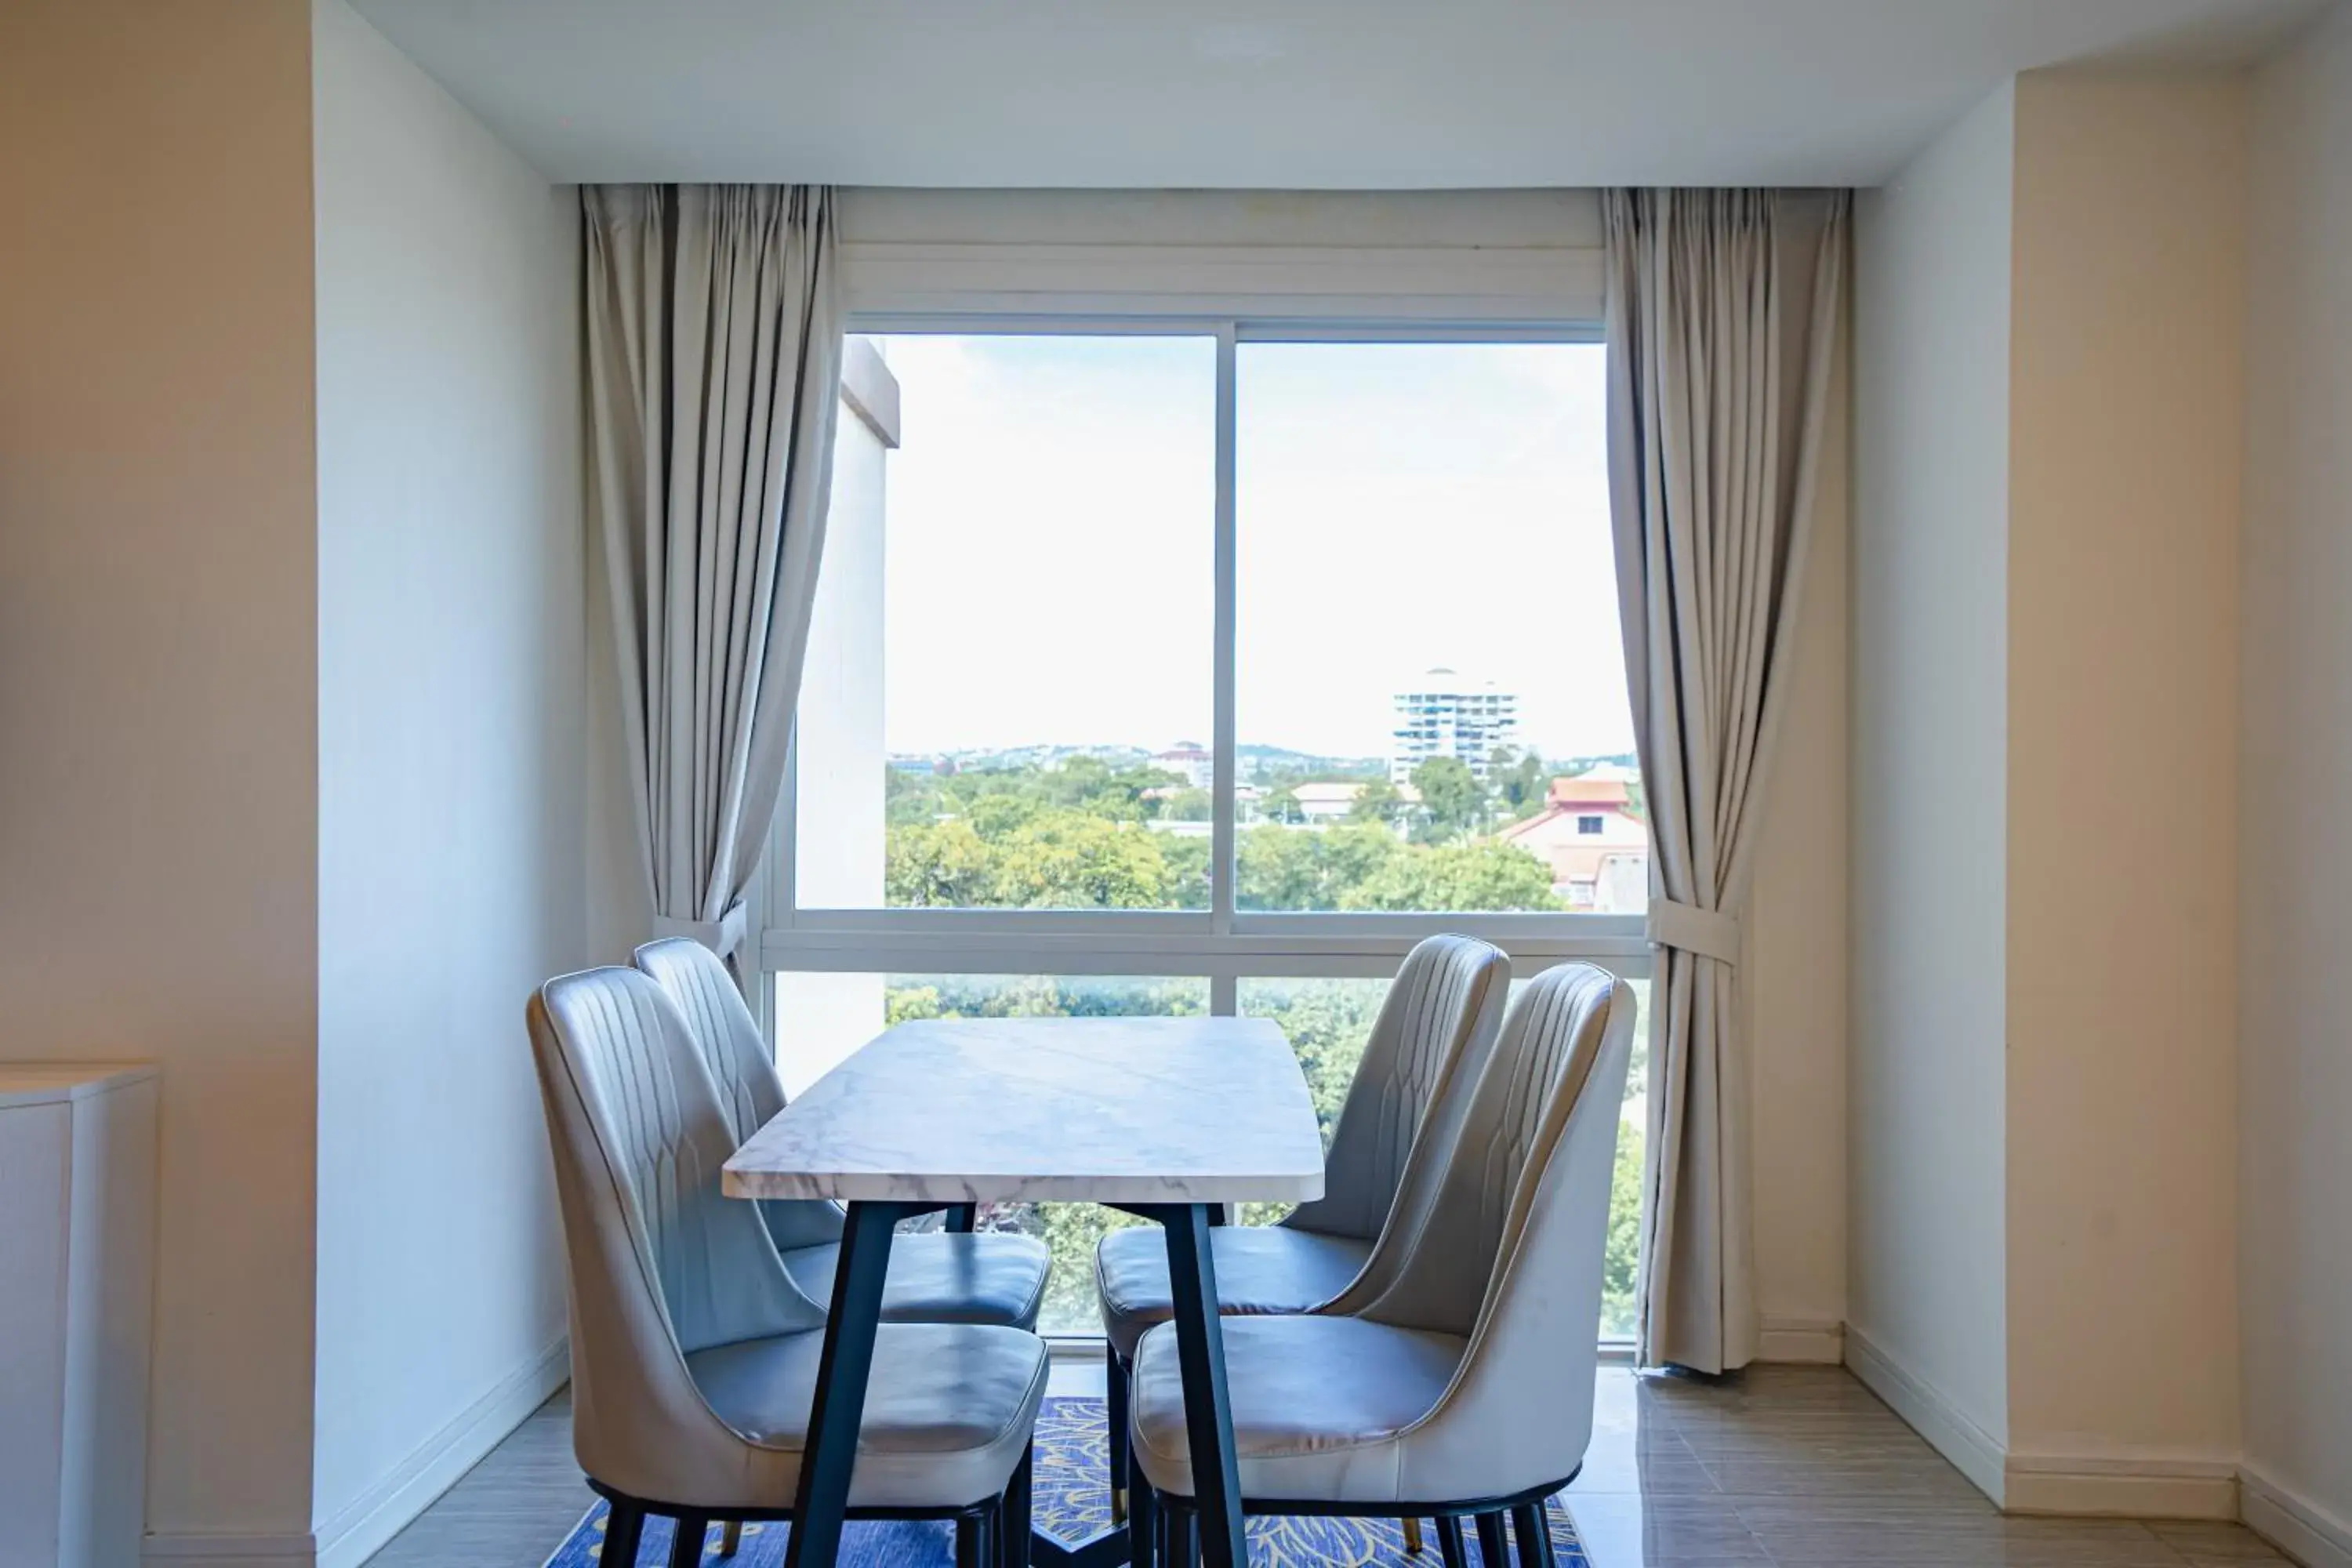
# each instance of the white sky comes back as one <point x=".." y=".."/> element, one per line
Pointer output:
<point x="1400" y="506"/>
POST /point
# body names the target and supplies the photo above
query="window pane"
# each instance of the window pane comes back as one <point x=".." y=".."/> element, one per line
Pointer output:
<point x="823" y="1017"/>
<point x="1008" y="690"/>
<point x="1432" y="702"/>
<point x="1327" y="1022"/>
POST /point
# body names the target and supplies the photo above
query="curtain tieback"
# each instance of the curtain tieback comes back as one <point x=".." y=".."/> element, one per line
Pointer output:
<point x="1710" y="934"/>
<point x="721" y="936"/>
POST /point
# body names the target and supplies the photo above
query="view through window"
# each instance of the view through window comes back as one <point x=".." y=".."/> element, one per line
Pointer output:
<point x="1011" y="711"/>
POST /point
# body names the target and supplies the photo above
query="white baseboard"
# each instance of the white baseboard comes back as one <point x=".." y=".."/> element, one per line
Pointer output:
<point x="1974" y="1452"/>
<point x="194" y="1549"/>
<point x="2294" y="1525"/>
<point x="2124" y="1486"/>
<point x="1809" y="1341"/>
<point x="379" y="1513"/>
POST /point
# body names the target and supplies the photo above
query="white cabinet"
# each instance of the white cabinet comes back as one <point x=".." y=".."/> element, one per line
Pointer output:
<point x="77" y="1287"/>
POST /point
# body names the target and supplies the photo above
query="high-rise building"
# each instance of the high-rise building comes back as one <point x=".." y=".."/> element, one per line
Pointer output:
<point x="1443" y="713"/>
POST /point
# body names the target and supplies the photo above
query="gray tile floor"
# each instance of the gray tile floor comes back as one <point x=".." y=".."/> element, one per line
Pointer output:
<point x="1782" y="1466"/>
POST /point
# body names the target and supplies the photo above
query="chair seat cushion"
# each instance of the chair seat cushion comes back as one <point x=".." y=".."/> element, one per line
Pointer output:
<point x="1261" y="1270"/>
<point x="1319" y="1405"/>
<point x="943" y="1277"/>
<point x="949" y="1411"/>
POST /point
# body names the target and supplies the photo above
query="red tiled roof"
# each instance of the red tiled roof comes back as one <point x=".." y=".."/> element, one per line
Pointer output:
<point x="1588" y="792"/>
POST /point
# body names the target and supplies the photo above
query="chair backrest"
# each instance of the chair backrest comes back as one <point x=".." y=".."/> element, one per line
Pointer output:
<point x="662" y="1264"/>
<point x="697" y="980"/>
<point x="1435" y="1029"/>
<point x="1510" y="1250"/>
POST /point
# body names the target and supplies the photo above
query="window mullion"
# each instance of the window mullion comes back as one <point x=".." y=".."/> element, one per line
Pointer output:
<point x="1226" y="765"/>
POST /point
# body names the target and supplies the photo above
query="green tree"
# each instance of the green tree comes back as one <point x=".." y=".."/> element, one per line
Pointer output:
<point x="1621" y="1256"/>
<point x="943" y="864"/>
<point x="1379" y="801"/>
<point x="1066" y="860"/>
<point x="1184" y="806"/>
<point x="910" y="797"/>
<point x="1520" y="780"/>
<point x="1481" y="876"/>
<point x="1453" y="801"/>
<point x="1277" y="868"/>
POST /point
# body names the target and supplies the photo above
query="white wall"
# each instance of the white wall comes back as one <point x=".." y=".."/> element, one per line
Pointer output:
<point x="2043" y="1104"/>
<point x="158" y="828"/>
<point x="2124" y="409"/>
<point x="2295" y="1009"/>
<point x="451" y="776"/>
<point x="1927" y="1265"/>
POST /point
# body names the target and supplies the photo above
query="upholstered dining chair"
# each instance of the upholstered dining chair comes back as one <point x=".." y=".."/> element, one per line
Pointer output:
<point x="1433" y="1030"/>
<point x="694" y="1353"/>
<point x="1458" y="1383"/>
<point x="952" y="1277"/>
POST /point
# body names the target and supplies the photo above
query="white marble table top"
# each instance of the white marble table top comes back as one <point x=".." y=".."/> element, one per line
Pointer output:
<point x="1123" y="1111"/>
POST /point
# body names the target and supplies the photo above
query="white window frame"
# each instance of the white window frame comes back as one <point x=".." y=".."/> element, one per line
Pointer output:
<point x="1232" y="295"/>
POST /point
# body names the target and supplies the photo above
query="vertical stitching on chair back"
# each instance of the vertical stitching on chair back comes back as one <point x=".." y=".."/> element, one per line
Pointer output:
<point x="729" y="1038"/>
<point x="696" y="979"/>
<point x="1549" y="1042"/>
<point x="1432" y="1010"/>
<point x="662" y="1137"/>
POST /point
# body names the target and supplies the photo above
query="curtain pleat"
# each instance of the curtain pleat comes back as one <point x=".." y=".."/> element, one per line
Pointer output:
<point x="714" y="366"/>
<point x="1724" y="309"/>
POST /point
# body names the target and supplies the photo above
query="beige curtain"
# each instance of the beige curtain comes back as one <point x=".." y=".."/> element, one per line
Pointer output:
<point x="714" y="365"/>
<point x="1724" y="309"/>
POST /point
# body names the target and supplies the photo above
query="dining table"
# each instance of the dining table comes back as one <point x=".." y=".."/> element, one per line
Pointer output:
<point x="1170" y="1120"/>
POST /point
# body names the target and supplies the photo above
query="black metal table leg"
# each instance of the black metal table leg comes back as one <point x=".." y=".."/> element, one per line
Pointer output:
<point x="1208" y="1411"/>
<point x="840" y="1402"/>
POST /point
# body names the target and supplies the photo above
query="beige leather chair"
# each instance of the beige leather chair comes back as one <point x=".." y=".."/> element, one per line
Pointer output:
<point x="1456" y="1378"/>
<point x="940" y="1278"/>
<point x="694" y="1354"/>
<point x="1434" y="1028"/>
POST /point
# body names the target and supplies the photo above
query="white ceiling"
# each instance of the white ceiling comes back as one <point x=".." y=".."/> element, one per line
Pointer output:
<point x="1278" y="94"/>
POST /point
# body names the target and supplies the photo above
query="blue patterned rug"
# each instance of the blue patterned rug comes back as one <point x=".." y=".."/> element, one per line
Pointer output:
<point x="1071" y="1503"/>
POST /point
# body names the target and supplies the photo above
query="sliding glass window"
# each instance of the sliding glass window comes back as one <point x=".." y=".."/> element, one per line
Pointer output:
<point x="1194" y="666"/>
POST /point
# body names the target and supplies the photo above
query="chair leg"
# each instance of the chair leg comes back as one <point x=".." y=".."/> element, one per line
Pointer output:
<point x="1142" y="1524"/>
<point x="1183" y="1538"/>
<point x="1531" y="1523"/>
<point x="731" y="1538"/>
<point x="1494" y="1542"/>
<point x="687" y="1540"/>
<point x="1116" y="1373"/>
<point x="624" y="1526"/>
<point x="1014" y="1552"/>
<point x="1450" y="1545"/>
<point x="1412" y="1536"/>
<point x="968" y="1542"/>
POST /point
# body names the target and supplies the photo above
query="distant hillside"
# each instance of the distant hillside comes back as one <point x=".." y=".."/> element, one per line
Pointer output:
<point x="1257" y="761"/>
